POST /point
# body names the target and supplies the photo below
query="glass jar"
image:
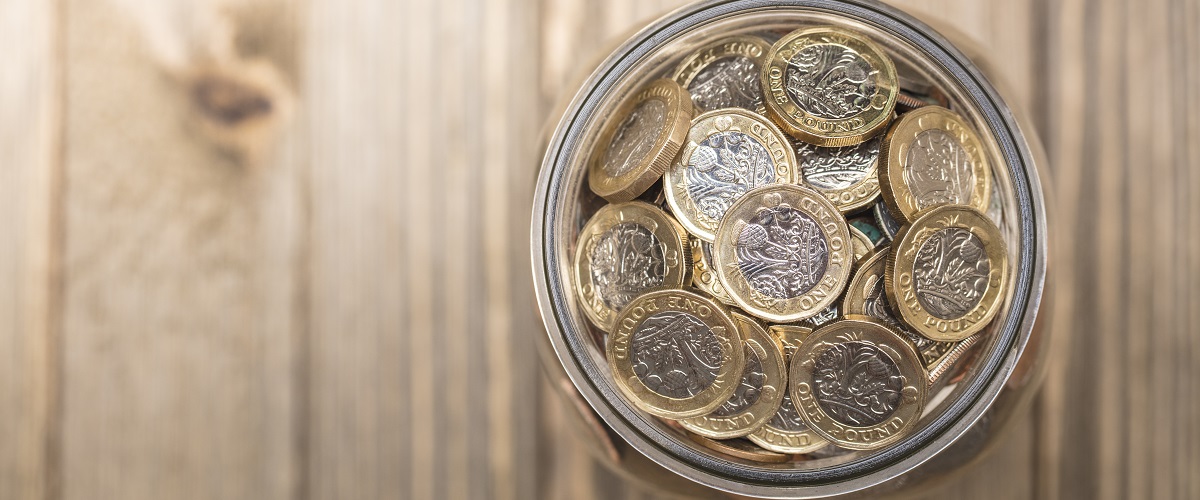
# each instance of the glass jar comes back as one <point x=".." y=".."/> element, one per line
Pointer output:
<point x="972" y="405"/>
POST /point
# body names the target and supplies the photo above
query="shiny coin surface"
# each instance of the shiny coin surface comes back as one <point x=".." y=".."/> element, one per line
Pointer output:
<point x="724" y="74"/>
<point x="741" y="449"/>
<point x="947" y="274"/>
<point x="866" y="223"/>
<point x="783" y="252"/>
<point x="728" y="153"/>
<point x="786" y="431"/>
<point x="847" y="176"/>
<point x="638" y="143"/>
<point x="858" y="384"/>
<point x="625" y="250"/>
<point x="888" y="225"/>
<point x="763" y="385"/>
<point x="704" y="277"/>
<point x="931" y="157"/>
<point x="829" y="87"/>
<point x="676" y="354"/>
<point x="860" y="243"/>
<point x="826" y="315"/>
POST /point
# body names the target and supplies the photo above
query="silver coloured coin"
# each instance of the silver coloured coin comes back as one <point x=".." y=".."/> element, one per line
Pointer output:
<point x="675" y="354"/>
<point x="837" y="168"/>
<point x="635" y="137"/>
<point x="782" y="252"/>
<point x="723" y="168"/>
<point x="627" y="261"/>
<point x="730" y="82"/>
<point x="939" y="170"/>
<point x="830" y="81"/>
<point x="857" y="384"/>
<point x="887" y="224"/>
<point x="748" y="391"/>
<point x="951" y="273"/>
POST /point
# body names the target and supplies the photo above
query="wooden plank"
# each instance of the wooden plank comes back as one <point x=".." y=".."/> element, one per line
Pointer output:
<point x="30" y="181"/>
<point x="181" y="253"/>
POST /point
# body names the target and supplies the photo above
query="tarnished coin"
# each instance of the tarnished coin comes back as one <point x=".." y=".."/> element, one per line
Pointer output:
<point x="947" y="274"/>
<point x="887" y="224"/>
<point x="858" y="384"/>
<point x="724" y="74"/>
<point x="741" y="449"/>
<point x="866" y="223"/>
<point x="847" y="176"/>
<point x="829" y="87"/>
<point x="728" y="153"/>
<point x="704" y="277"/>
<point x="676" y="354"/>
<point x="636" y="145"/>
<point x="786" y="431"/>
<point x="625" y="250"/>
<point x="764" y="383"/>
<point x="931" y="157"/>
<point x="783" y="252"/>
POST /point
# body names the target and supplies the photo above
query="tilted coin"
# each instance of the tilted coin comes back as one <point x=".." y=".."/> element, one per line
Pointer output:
<point x="826" y="315"/>
<point x="947" y="273"/>
<point x="847" y="176"/>
<point x="858" y="384"/>
<point x="742" y="449"/>
<point x="860" y="243"/>
<point x="623" y="251"/>
<point x="638" y="143"/>
<point x="829" y="87"/>
<point x="887" y="224"/>
<point x="676" y="354"/>
<point x="724" y="74"/>
<point x="869" y="227"/>
<point x="763" y="385"/>
<point x="783" y="252"/>
<point x="728" y="153"/>
<point x="704" y="277"/>
<point x="786" y="431"/>
<point x="931" y="157"/>
<point x="905" y="102"/>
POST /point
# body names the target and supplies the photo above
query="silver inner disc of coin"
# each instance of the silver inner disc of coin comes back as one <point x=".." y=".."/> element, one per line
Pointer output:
<point x="782" y="252"/>
<point x="950" y="273"/>
<point x="627" y="261"/>
<point x="729" y="82"/>
<point x="830" y="81"/>
<point x="635" y="136"/>
<point x="857" y="384"/>
<point x="675" y="354"/>
<point x="787" y="419"/>
<point x="723" y="168"/>
<point x="750" y="389"/>
<point x="837" y="168"/>
<point x="939" y="170"/>
<point x="875" y="305"/>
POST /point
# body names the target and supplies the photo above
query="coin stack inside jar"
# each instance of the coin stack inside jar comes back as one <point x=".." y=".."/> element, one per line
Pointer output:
<point x="795" y="251"/>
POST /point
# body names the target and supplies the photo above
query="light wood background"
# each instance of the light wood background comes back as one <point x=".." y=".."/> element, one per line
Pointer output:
<point x="257" y="249"/>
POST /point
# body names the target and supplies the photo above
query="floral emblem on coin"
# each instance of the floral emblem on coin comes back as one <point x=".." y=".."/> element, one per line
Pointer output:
<point x="782" y="252"/>
<point x="787" y="418"/>
<point x="627" y="261"/>
<point x="951" y="271"/>
<point x="675" y="354"/>
<point x="939" y="170"/>
<point x="830" y="81"/>
<point x="635" y="136"/>
<point x="731" y="82"/>
<point x="748" y="391"/>
<point x="857" y="384"/>
<point x="837" y="168"/>
<point x="724" y="167"/>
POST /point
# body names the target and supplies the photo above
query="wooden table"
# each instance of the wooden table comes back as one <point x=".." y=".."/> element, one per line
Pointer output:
<point x="265" y="249"/>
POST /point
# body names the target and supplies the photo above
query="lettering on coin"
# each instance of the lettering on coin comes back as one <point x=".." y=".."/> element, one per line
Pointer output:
<point x="938" y="170"/>
<point x="730" y="82"/>
<point x="857" y="384"/>
<point x="748" y="392"/>
<point x="782" y="252"/>
<point x="837" y="168"/>
<point x="831" y="81"/>
<point x="787" y="419"/>
<point x="675" y="354"/>
<point x="626" y="261"/>
<point x="950" y="273"/>
<point x="635" y="136"/>
<point x="723" y="167"/>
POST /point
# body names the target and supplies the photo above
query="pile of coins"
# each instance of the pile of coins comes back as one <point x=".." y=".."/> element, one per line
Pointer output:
<point x="794" y="249"/>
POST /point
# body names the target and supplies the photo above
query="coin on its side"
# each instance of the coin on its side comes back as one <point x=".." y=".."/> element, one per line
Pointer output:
<point x="636" y="145"/>
<point x="870" y="228"/>
<point x="887" y="224"/>
<point x="741" y="449"/>
<point x="847" y="176"/>
<point x="724" y="74"/>
<point x="786" y="431"/>
<point x="783" y="252"/>
<point x="858" y="384"/>
<point x="676" y="354"/>
<point x="931" y="157"/>
<point x="728" y="153"/>
<point x="829" y="86"/>
<point x="704" y="277"/>
<point x="763" y="385"/>
<point x="623" y="251"/>
<point x="860" y="243"/>
<point x="947" y="273"/>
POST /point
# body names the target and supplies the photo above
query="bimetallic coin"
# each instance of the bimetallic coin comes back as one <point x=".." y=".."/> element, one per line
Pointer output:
<point x="847" y="176"/>
<point x="704" y="277"/>
<point x="887" y="224"/>
<point x="783" y="252"/>
<point x="931" y="157"/>
<point x="764" y="383"/>
<point x="947" y="273"/>
<point x="786" y="431"/>
<point x="741" y="449"/>
<point x="638" y="143"/>
<point x="625" y="250"/>
<point x="829" y="87"/>
<point x="860" y="244"/>
<point x="676" y="354"/>
<point x="858" y="384"/>
<point x="724" y="74"/>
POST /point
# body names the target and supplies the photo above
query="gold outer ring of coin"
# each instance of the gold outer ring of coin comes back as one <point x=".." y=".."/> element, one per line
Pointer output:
<point x="771" y="393"/>
<point x="619" y="351"/>
<point x="741" y="449"/>
<point x="757" y="127"/>
<point x="820" y="131"/>
<point x="750" y="47"/>
<point x="860" y="243"/>
<point x="854" y="197"/>
<point x="788" y="338"/>
<point x="894" y="154"/>
<point x="671" y="236"/>
<point x="880" y="339"/>
<point x="900" y="284"/>
<point x="704" y="277"/>
<point x="650" y="167"/>
<point x="834" y="230"/>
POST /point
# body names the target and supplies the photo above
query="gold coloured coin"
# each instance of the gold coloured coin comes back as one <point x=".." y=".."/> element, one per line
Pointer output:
<point x="741" y="449"/>
<point x="763" y="385"/>
<point x="848" y="176"/>
<point x="704" y="277"/>
<point x="786" y="431"/>
<point x="858" y="384"/>
<point x="947" y="274"/>
<point x="623" y="251"/>
<point x="783" y="252"/>
<point x="829" y="87"/>
<point x="637" y="144"/>
<point x="931" y="157"/>
<point x="676" y="354"/>
<point x="860" y="243"/>
<point x="724" y="74"/>
<point x="728" y="153"/>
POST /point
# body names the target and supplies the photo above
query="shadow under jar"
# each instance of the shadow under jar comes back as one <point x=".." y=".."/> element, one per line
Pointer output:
<point x="973" y="400"/>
